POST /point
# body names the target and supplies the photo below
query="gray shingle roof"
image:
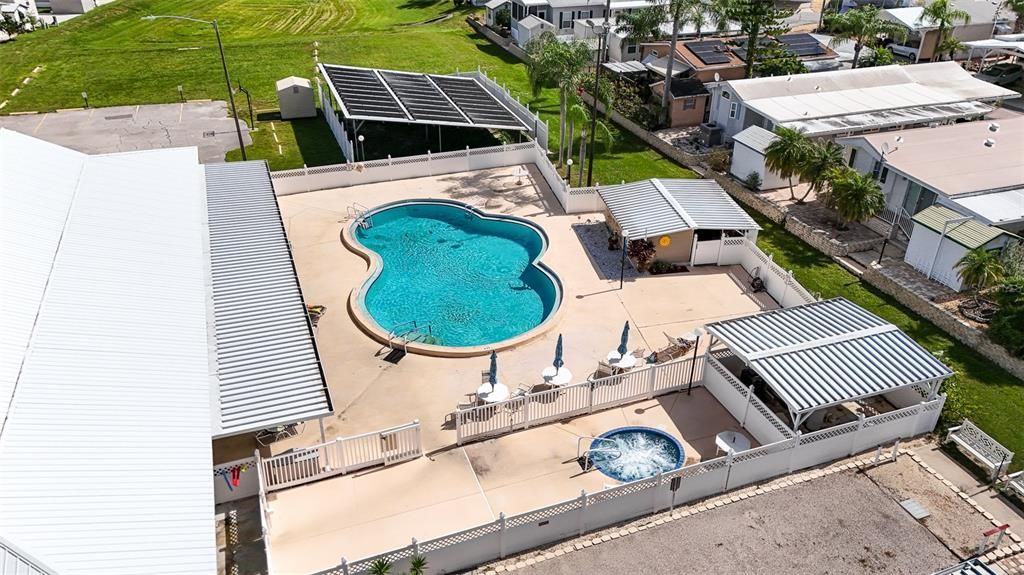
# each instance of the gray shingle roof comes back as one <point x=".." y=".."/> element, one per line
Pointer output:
<point x="827" y="352"/>
<point x="663" y="206"/>
<point x="267" y="360"/>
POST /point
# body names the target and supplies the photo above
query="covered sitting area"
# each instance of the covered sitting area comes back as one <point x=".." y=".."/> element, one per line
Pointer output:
<point x="826" y="363"/>
<point x="687" y="221"/>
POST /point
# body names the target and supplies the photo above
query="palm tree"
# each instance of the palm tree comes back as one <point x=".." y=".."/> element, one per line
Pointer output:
<point x="979" y="269"/>
<point x="819" y="166"/>
<point x="418" y="565"/>
<point x="677" y="11"/>
<point x="863" y="26"/>
<point x="857" y="197"/>
<point x="380" y="566"/>
<point x="561" y="64"/>
<point x="941" y="13"/>
<point x="787" y="154"/>
<point x="1017" y="7"/>
<point x="642" y="25"/>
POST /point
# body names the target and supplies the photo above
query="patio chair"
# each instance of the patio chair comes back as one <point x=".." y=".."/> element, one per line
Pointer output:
<point x="267" y="436"/>
<point x="604" y="369"/>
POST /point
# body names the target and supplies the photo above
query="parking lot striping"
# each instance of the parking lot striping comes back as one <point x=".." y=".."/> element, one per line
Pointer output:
<point x="40" y="124"/>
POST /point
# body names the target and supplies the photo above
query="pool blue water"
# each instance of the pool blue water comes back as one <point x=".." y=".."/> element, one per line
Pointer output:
<point x="632" y="453"/>
<point x="471" y="279"/>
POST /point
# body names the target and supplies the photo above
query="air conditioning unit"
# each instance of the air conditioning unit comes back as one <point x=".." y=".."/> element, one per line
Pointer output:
<point x="709" y="135"/>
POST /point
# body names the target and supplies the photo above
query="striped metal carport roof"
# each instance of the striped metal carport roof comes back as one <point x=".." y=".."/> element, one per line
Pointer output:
<point x="664" y="206"/>
<point x="267" y="362"/>
<point x="828" y="352"/>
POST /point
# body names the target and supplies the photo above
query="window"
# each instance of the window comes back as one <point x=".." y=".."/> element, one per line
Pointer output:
<point x="542" y="14"/>
<point x="689" y="103"/>
<point x="732" y="110"/>
<point x="884" y="175"/>
<point x="853" y="157"/>
<point x="876" y="169"/>
<point x="631" y="48"/>
<point x="726" y="95"/>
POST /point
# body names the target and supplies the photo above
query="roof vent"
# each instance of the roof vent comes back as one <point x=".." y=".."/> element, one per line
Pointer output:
<point x="993" y="127"/>
<point x="989" y="142"/>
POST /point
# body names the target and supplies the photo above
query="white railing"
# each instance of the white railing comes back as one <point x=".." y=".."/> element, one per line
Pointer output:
<point x="264" y="511"/>
<point x="560" y="403"/>
<point x="516" y="533"/>
<point x="337" y="127"/>
<point x="343" y="455"/>
<point x="898" y="218"/>
<point x="779" y="282"/>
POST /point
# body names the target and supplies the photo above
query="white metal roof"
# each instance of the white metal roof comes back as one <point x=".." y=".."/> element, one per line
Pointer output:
<point x="889" y="118"/>
<point x="627" y="67"/>
<point x="932" y="81"/>
<point x="105" y="452"/>
<point x="267" y="362"/>
<point x="756" y="138"/>
<point x="14" y="561"/>
<point x="997" y="208"/>
<point x="1013" y="48"/>
<point x="827" y="352"/>
<point x="495" y="4"/>
<point x="663" y="206"/>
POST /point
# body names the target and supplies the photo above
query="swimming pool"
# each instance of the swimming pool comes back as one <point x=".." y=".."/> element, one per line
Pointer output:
<point x="467" y="278"/>
<point x="632" y="453"/>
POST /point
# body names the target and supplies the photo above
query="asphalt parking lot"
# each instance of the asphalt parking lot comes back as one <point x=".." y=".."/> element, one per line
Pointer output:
<point x="130" y="128"/>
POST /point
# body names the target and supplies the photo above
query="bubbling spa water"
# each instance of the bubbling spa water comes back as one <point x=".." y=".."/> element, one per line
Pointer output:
<point x="632" y="453"/>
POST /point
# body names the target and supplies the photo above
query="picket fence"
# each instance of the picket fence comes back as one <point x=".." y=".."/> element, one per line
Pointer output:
<point x="538" y="128"/>
<point x="560" y="403"/>
<point x="342" y="455"/>
<point x="590" y="511"/>
<point x="779" y="282"/>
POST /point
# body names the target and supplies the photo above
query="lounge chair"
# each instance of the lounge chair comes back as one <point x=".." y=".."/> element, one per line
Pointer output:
<point x="604" y="369"/>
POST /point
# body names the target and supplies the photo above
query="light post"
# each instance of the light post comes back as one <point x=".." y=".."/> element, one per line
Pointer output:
<point x="362" y="148"/>
<point x="568" y="171"/>
<point x="622" y="264"/>
<point x="223" y="63"/>
<point x="602" y="33"/>
<point x="886" y="150"/>
<point x="695" y="335"/>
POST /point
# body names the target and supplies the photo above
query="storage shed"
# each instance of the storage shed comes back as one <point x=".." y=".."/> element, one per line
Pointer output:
<point x="942" y="236"/>
<point x="748" y="156"/>
<point x="295" y="97"/>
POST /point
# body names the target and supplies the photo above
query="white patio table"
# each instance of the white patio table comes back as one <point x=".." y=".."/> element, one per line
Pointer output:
<point x="488" y="395"/>
<point x="731" y="441"/>
<point x="627" y="361"/>
<point x="556" y="377"/>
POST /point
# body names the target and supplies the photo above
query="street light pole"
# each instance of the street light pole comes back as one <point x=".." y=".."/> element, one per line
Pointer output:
<point x="622" y="264"/>
<point x="224" y="65"/>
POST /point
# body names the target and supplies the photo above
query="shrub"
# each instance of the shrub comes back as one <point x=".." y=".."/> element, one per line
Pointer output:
<point x="642" y="252"/>
<point x="503" y="18"/>
<point x="719" y="160"/>
<point x="876" y="57"/>
<point x="662" y="267"/>
<point x="1007" y="326"/>
<point x="753" y="181"/>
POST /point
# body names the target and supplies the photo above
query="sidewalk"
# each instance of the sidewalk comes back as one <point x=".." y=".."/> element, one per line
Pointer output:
<point x="980" y="492"/>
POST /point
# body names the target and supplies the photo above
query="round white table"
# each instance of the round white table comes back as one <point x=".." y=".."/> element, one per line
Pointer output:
<point x="556" y="377"/>
<point x="627" y="361"/>
<point x="731" y="441"/>
<point x="488" y="395"/>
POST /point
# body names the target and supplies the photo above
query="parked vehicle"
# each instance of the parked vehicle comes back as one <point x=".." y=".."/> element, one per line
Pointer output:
<point x="908" y="52"/>
<point x="1001" y="74"/>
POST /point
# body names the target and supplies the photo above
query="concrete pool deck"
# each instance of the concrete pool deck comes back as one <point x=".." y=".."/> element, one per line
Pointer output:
<point x="455" y="488"/>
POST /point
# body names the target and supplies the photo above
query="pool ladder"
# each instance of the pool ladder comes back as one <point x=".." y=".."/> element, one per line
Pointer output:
<point x="402" y="331"/>
<point x="583" y="456"/>
<point x="357" y="212"/>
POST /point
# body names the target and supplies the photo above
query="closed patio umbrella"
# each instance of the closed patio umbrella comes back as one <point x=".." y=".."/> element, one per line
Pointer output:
<point x="492" y="374"/>
<point x="624" y="340"/>
<point x="558" y="363"/>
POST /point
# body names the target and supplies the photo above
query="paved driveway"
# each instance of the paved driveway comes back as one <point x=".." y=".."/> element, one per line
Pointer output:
<point x="129" y="128"/>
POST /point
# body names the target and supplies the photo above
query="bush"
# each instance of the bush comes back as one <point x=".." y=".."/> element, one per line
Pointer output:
<point x="503" y="18"/>
<point x="642" y="252"/>
<point x="719" y="160"/>
<point x="753" y="181"/>
<point x="1007" y="327"/>
<point x="876" y="57"/>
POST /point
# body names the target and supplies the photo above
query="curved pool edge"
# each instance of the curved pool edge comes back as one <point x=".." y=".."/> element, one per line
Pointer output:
<point x="680" y="461"/>
<point x="368" y="325"/>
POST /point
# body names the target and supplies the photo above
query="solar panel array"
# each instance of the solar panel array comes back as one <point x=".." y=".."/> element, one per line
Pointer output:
<point x="389" y="96"/>
<point x="710" y="51"/>
<point x="801" y="45"/>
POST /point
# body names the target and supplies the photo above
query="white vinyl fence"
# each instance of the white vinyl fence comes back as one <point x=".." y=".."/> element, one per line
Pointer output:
<point x="739" y="400"/>
<point x="538" y="127"/>
<point x="336" y="125"/>
<point x="343" y="455"/>
<point x="560" y="403"/>
<point x="516" y="533"/>
<point x="778" y="281"/>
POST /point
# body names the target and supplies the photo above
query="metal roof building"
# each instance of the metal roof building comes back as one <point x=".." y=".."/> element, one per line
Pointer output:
<point x="150" y="305"/>
<point x="654" y="207"/>
<point x="105" y="445"/>
<point x="969" y="234"/>
<point x="267" y="362"/>
<point x="828" y="352"/>
<point x="756" y="138"/>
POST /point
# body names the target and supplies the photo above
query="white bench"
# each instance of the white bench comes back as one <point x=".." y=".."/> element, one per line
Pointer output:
<point x="1015" y="483"/>
<point x="980" y="448"/>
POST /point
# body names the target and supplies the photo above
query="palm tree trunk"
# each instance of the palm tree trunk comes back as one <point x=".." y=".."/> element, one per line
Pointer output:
<point x="561" y="124"/>
<point x="668" y="70"/>
<point x="792" y="192"/>
<point x="936" y="55"/>
<point x="804" y="199"/>
<point x="857" y="47"/>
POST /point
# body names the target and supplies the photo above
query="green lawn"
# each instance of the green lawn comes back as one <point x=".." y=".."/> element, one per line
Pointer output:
<point x="120" y="59"/>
